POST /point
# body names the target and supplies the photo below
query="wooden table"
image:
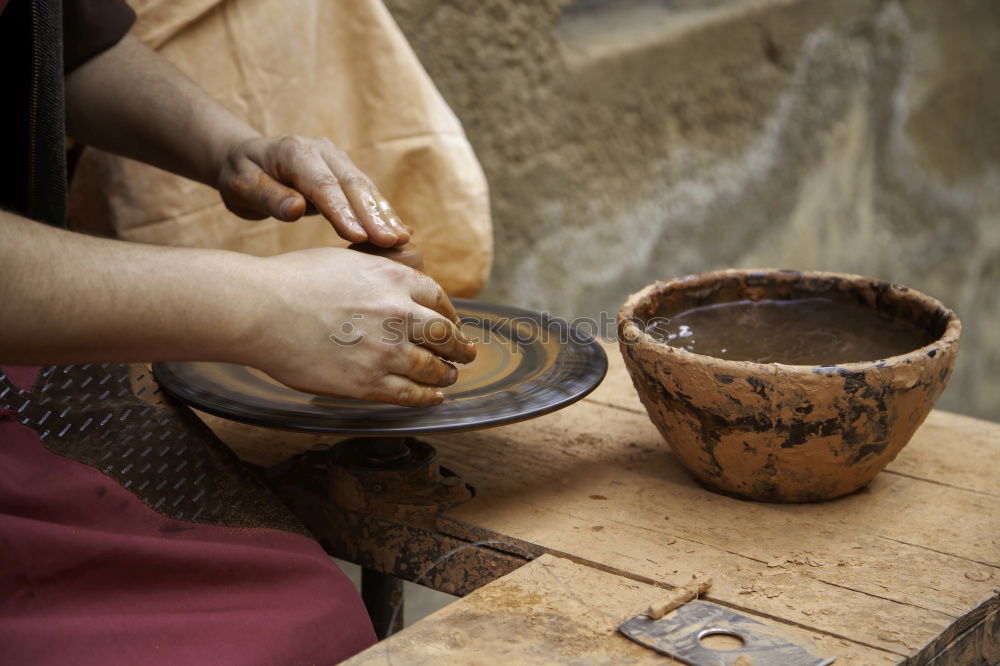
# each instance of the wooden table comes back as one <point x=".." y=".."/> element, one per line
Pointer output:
<point x="907" y="570"/>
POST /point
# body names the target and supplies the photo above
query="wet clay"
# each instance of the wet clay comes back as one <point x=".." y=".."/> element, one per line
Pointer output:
<point x="408" y="255"/>
<point x="786" y="432"/>
<point x="801" y="331"/>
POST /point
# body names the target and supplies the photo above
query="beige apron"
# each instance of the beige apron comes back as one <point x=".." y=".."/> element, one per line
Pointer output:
<point x="335" y="68"/>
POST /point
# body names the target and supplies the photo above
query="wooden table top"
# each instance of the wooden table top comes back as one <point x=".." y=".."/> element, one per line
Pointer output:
<point x="902" y="569"/>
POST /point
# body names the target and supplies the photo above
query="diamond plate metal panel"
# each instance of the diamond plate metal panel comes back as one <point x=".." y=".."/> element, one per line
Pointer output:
<point x="114" y="417"/>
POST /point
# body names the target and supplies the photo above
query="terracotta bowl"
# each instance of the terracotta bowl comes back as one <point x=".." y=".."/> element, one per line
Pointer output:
<point x="786" y="433"/>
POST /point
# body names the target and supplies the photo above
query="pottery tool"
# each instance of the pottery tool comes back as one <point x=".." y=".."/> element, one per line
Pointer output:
<point x="528" y="364"/>
<point x="678" y="596"/>
<point x="681" y="633"/>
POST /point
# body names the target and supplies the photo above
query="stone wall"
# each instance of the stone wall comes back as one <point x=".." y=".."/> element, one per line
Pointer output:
<point x="633" y="140"/>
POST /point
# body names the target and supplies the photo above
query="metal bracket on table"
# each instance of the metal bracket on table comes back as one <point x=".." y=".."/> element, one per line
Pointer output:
<point x="376" y="502"/>
<point x="679" y="635"/>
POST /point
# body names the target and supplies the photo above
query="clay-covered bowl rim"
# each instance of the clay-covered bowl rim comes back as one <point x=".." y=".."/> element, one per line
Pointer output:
<point x="630" y="333"/>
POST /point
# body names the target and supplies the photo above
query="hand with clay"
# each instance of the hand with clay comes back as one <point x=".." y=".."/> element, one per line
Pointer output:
<point x="283" y="314"/>
<point x="341" y="322"/>
<point x="328" y="320"/>
<point x="291" y="176"/>
<point x="176" y="126"/>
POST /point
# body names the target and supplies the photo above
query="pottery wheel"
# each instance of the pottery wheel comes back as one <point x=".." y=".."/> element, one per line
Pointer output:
<point x="518" y="374"/>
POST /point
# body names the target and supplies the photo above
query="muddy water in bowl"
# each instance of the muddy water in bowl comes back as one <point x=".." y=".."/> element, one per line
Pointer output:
<point x="803" y="331"/>
<point x="825" y="376"/>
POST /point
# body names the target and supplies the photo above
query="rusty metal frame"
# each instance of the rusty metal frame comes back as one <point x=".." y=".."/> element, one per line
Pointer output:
<point x="374" y="525"/>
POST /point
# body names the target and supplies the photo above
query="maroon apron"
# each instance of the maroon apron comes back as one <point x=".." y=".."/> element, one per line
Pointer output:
<point x="130" y="535"/>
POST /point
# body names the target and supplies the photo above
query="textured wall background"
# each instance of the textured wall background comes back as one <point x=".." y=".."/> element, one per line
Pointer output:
<point x="633" y="140"/>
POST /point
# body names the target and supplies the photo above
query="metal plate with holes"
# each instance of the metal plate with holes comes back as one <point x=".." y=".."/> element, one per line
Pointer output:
<point x="679" y="635"/>
<point x="518" y="374"/>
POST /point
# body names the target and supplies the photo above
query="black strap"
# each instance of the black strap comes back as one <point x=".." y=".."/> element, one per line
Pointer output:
<point x="46" y="187"/>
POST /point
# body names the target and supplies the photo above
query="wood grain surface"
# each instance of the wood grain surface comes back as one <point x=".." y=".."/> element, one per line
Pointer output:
<point x="906" y="569"/>
<point x="554" y="611"/>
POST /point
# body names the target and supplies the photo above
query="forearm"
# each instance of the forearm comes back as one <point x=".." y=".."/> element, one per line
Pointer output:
<point x="72" y="298"/>
<point x="130" y="101"/>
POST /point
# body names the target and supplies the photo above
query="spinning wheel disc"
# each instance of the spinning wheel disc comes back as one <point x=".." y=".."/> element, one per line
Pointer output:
<point x="528" y="364"/>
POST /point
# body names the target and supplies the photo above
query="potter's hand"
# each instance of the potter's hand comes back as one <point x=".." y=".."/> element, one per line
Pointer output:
<point x="291" y="176"/>
<point x="340" y="322"/>
<point x="130" y="101"/>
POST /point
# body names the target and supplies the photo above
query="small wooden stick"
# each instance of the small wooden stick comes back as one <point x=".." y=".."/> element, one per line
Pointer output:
<point x="678" y="596"/>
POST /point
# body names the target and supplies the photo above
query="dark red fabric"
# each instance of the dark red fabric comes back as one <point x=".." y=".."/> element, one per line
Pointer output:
<point x="91" y="575"/>
<point x="22" y="375"/>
